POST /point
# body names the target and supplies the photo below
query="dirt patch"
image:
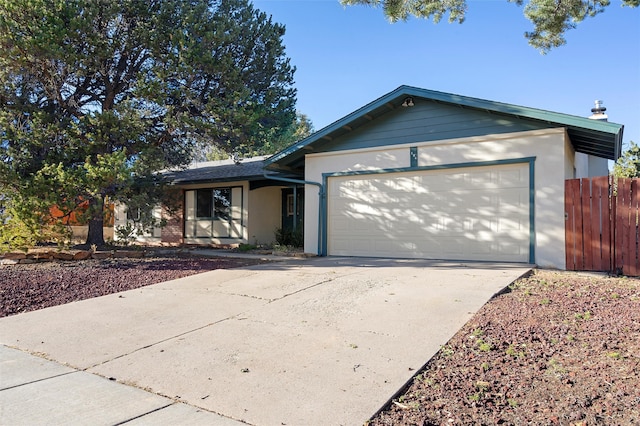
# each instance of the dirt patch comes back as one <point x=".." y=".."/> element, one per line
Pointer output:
<point x="557" y="349"/>
<point x="40" y="285"/>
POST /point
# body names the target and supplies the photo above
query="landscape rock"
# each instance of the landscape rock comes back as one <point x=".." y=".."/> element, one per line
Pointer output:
<point x="63" y="256"/>
<point x="551" y="350"/>
<point x="134" y="254"/>
<point x="14" y="256"/>
<point x="82" y="255"/>
<point x="101" y="255"/>
<point x="41" y="255"/>
<point x="27" y="287"/>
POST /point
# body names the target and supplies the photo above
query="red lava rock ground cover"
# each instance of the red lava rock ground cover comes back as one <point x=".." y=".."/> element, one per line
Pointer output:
<point x="35" y="286"/>
<point x="558" y="348"/>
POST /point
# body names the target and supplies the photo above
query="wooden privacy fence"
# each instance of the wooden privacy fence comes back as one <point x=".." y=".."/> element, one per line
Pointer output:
<point x="601" y="231"/>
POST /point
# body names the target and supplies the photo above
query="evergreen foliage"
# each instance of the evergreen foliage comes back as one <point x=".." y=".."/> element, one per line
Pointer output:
<point x="551" y="19"/>
<point x="97" y="96"/>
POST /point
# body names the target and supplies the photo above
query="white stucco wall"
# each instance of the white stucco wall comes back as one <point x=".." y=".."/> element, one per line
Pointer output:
<point x="598" y="166"/>
<point x="551" y="167"/>
<point x="590" y="166"/>
<point x="265" y="214"/>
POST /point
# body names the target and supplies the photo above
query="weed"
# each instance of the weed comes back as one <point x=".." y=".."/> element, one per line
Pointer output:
<point x="512" y="351"/>
<point x="555" y="368"/>
<point x="477" y="332"/>
<point x="475" y="397"/>
<point x="614" y="355"/>
<point x="246" y="247"/>
<point x="571" y="338"/>
<point x="482" y="386"/>
<point x="512" y="403"/>
<point x="447" y="351"/>
<point x="353" y="346"/>
<point x="424" y="379"/>
<point x="485" y="366"/>
<point x="585" y="316"/>
<point x="484" y="346"/>
<point x="545" y="301"/>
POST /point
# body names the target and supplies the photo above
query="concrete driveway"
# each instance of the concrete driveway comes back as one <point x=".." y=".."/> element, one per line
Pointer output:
<point x="324" y="341"/>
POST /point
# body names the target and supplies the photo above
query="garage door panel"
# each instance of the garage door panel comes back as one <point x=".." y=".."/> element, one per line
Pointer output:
<point x="402" y="185"/>
<point x="474" y="213"/>
<point x="512" y="249"/>
<point x="508" y="224"/>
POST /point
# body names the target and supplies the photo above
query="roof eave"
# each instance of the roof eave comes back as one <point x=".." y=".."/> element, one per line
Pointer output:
<point x="216" y="180"/>
<point x="391" y="98"/>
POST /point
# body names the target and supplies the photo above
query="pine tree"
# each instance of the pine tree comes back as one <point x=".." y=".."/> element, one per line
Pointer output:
<point x="97" y="96"/>
<point x="551" y="19"/>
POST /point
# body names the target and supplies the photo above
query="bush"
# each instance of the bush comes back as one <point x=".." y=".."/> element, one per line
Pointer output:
<point x="16" y="235"/>
<point x="127" y="234"/>
<point x="243" y="248"/>
<point x="290" y="237"/>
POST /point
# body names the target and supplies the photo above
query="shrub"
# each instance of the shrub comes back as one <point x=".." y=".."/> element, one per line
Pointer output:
<point x="290" y="237"/>
<point x="16" y="235"/>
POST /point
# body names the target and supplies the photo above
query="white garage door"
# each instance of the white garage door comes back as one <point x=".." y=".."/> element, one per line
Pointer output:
<point x="475" y="213"/>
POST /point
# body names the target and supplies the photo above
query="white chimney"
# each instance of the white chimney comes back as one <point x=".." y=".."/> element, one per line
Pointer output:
<point x="598" y="112"/>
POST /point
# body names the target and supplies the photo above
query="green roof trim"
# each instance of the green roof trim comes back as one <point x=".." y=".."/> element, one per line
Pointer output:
<point x="600" y="138"/>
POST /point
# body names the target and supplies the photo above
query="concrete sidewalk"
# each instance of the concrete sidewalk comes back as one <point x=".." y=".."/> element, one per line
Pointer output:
<point x="35" y="391"/>
<point x="322" y="341"/>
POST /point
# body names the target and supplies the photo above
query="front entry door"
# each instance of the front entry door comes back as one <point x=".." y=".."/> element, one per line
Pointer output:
<point x="292" y="208"/>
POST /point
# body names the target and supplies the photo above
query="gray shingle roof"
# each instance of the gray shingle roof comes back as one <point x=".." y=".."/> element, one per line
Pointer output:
<point x="219" y="171"/>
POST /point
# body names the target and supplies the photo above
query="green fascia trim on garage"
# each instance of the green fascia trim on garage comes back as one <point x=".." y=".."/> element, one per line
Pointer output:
<point x="532" y="192"/>
<point x="593" y="137"/>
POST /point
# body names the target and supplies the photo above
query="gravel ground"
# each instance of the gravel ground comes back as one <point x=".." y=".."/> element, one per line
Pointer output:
<point x="557" y="348"/>
<point x="35" y="286"/>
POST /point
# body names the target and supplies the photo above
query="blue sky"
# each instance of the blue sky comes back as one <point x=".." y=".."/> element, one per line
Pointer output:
<point x="348" y="57"/>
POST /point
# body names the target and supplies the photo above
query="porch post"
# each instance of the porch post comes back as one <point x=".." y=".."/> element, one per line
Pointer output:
<point x="295" y="207"/>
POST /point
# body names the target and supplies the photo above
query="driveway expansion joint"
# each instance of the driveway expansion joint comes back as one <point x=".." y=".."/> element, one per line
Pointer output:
<point x="144" y="414"/>
<point x="39" y="380"/>
<point x="311" y="286"/>
<point x="167" y="339"/>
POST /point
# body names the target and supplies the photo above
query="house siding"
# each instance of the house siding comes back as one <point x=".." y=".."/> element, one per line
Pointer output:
<point x="428" y="121"/>
<point x="265" y="214"/>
